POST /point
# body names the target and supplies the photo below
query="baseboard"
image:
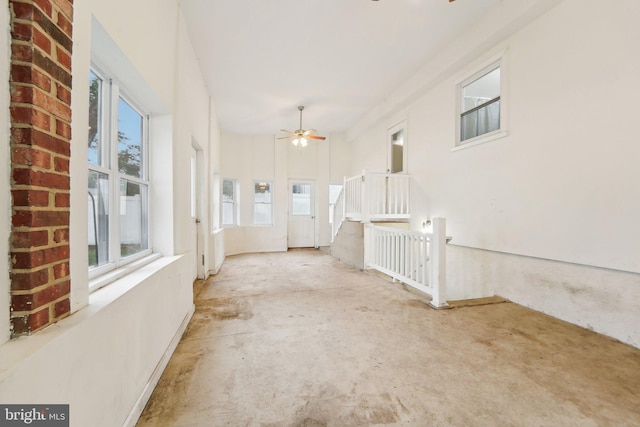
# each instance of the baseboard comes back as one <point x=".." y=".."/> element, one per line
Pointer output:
<point x="138" y="407"/>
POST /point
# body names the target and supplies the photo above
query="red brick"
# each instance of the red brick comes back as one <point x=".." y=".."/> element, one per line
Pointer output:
<point x="27" y="260"/>
<point x="61" y="235"/>
<point x="39" y="319"/>
<point x="28" y="281"/>
<point x="31" y="116"/>
<point x="55" y="254"/>
<point x="63" y="94"/>
<point x="41" y="80"/>
<point x="21" y="94"/>
<point x="21" y="31"/>
<point x="34" y="137"/>
<point x="63" y="200"/>
<point x="23" y="302"/>
<point x="66" y="7"/>
<point x="22" y="10"/>
<point x="29" y="239"/>
<point x="62" y="308"/>
<point x="61" y="270"/>
<point x="65" y="24"/>
<point x="21" y="52"/>
<point x="45" y="6"/>
<point x="29" y="156"/>
<point x="29" y="218"/>
<point x="63" y="129"/>
<point x="41" y="40"/>
<point x="52" y="105"/>
<point x="40" y="179"/>
<point x="61" y="164"/>
<point x="64" y="58"/>
<point x="23" y="198"/>
<point x="50" y="294"/>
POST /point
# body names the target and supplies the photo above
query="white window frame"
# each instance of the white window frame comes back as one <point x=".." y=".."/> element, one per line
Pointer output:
<point x="111" y="93"/>
<point x="486" y="67"/>
<point x="233" y="201"/>
<point x="256" y="182"/>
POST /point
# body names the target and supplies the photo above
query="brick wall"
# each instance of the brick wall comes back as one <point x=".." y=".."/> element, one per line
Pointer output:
<point x="40" y="148"/>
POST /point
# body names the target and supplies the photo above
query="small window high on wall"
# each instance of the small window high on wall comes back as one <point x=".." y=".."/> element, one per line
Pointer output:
<point x="481" y="106"/>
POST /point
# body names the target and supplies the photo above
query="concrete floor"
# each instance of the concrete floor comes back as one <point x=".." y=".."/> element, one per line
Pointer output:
<point x="301" y="339"/>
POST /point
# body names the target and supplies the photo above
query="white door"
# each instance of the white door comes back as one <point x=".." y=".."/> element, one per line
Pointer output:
<point x="302" y="214"/>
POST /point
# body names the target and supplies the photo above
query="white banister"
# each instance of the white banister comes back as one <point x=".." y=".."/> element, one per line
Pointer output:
<point x="417" y="259"/>
<point x="337" y="214"/>
<point x="377" y="197"/>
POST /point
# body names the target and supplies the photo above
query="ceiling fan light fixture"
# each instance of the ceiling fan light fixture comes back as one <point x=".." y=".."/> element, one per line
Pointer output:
<point x="295" y="142"/>
<point x="303" y="142"/>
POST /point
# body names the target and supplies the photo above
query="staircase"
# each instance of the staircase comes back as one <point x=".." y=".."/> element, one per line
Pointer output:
<point x="369" y="230"/>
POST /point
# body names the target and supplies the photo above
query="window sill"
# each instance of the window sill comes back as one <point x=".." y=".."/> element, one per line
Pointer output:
<point x="492" y="136"/>
<point x="114" y="275"/>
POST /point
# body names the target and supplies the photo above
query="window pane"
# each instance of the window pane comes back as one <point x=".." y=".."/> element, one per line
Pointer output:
<point x="481" y="90"/>
<point x="301" y="202"/>
<point x="129" y="140"/>
<point x="133" y="218"/>
<point x="95" y="119"/>
<point x="227" y="190"/>
<point x="262" y="214"/>
<point x="98" y="218"/>
<point x="228" y="215"/>
<point x="262" y="203"/>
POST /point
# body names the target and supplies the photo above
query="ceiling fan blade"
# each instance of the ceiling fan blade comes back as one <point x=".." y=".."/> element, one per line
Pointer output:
<point x="287" y="137"/>
<point x="309" y="132"/>
<point x="287" y="131"/>
<point x="321" y="138"/>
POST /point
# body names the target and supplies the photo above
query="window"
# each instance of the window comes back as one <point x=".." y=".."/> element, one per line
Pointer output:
<point x="301" y="203"/>
<point x="229" y="202"/>
<point x="118" y="211"/>
<point x="480" y="105"/>
<point x="262" y="203"/>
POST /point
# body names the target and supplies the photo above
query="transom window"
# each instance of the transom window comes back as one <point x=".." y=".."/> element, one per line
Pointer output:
<point x="118" y="196"/>
<point x="480" y="105"/>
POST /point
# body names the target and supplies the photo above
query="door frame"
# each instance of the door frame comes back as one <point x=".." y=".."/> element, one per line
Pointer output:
<point x="314" y="199"/>
<point x="399" y="126"/>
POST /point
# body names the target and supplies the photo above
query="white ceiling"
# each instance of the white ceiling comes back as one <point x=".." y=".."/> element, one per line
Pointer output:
<point x="339" y="58"/>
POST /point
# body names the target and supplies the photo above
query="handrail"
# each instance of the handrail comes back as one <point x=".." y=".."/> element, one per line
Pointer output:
<point x="417" y="259"/>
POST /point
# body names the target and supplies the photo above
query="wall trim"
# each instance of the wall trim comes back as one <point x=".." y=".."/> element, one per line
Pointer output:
<point x="138" y="407"/>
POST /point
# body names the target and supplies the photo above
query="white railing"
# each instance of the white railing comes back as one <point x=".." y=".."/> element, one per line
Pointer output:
<point x="417" y="259"/>
<point x="376" y="196"/>
<point x="337" y="214"/>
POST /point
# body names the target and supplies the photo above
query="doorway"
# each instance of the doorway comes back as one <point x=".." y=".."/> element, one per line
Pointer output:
<point x="302" y="214"/>
<point x="197" y="240"/>
<point x="397" y="139"/>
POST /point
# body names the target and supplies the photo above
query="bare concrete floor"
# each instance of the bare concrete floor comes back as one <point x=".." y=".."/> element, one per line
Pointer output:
<point x="301" y="339"/>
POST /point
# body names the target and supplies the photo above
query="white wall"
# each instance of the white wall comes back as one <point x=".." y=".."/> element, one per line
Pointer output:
<point x="559" y="186"/>
<point x="5" y="204"/>
<point x="110" y="351"/>
<point x="104" y="354"/>
<point x="262" y="157"/>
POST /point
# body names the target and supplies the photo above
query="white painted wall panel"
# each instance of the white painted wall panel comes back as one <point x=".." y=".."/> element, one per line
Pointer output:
<point x="5" y="204"/>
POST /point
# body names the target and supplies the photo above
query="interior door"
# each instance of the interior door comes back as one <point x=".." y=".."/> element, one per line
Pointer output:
<point x="302" y="214"/>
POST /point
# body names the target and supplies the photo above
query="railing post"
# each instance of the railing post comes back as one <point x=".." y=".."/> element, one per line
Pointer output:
<point x="439" y="264"/>
<point x="367" y="246"/>
<point x="344" y="203"/>
<point x="365" y="199"/>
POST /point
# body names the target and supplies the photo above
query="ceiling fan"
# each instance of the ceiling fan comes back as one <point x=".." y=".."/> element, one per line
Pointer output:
<point x="301" y="136"/>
